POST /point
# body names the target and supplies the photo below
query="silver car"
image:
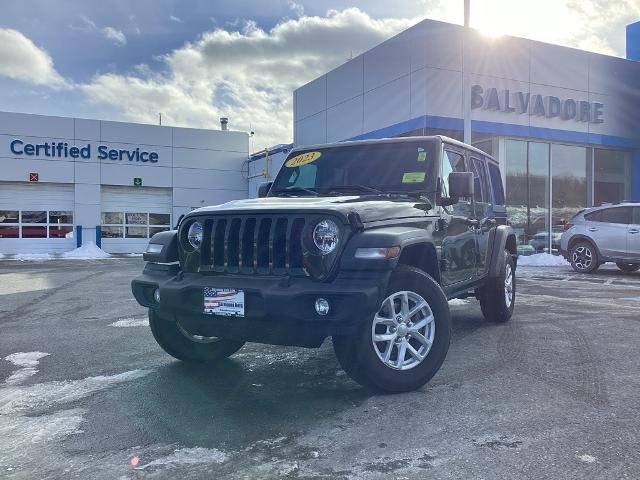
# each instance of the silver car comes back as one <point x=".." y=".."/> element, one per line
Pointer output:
<point x="609" y="233"/>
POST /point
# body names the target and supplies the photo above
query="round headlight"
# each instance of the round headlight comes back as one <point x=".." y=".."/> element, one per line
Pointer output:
<point x="326" y="236"/>
<point x="194" y="235"/>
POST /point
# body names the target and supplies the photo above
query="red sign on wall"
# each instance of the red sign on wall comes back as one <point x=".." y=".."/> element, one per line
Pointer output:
<point x="33" y="177"/>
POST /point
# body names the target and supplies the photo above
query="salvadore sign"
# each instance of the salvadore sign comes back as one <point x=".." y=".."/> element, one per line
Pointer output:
<point x="536" y="105"/>
<point x="65" y="150"/>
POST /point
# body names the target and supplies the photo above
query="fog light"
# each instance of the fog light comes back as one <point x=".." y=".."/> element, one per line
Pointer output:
<point x="156" y="295"/>
<point x="322" y="306"/>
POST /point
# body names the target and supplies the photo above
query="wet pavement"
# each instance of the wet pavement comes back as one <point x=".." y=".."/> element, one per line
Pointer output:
<point x="86" y="393"/>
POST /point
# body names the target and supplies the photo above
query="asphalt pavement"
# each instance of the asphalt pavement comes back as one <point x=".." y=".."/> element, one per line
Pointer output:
<point x="86" y="393"/>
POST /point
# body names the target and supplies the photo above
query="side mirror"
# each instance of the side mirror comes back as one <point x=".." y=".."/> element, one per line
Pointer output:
<point x="263" y="189"/>
<point x="461" y="184"/>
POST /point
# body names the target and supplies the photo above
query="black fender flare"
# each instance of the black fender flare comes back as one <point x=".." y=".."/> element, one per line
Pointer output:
<point x="400" y="236"/>
<point x="501" y="238"/>
<point x="168" y="250"/>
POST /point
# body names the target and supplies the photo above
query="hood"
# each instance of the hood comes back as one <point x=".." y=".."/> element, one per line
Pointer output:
<point x="370" y="208"/>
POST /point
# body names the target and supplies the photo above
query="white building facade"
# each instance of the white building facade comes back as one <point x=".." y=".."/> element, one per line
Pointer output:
<point x="69" y="181"/>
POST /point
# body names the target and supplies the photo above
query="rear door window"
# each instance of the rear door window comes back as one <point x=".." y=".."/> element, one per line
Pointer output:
<point x="496" y="183"/>
<point x="481" y="181"/>
<point x="622" y="215"/>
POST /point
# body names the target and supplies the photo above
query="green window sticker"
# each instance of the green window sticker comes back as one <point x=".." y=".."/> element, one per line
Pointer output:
<point x="422" y="155"/>
<point x="413" y="177"/>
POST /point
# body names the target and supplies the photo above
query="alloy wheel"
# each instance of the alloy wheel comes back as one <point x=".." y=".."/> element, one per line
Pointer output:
<point x="403" y="330"/>
<point x="582" y="257"/>
<point x="508" y="285"/>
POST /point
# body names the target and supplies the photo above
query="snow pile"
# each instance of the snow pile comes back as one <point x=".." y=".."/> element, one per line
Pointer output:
<point x="87" y="251"/>
<point x="542" y="260"/>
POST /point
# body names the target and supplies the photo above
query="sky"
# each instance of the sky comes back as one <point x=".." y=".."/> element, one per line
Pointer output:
<point x="197" y="60"/>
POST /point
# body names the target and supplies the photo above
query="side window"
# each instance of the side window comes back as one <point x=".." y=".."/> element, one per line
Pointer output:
<point x="451" y="162"/>
<point x="481" y="182"/>
<point x="621" y="215"/>
<point x="636" y="215"/>
<point x="594" y="216"/>
<point x="496" y="182"/>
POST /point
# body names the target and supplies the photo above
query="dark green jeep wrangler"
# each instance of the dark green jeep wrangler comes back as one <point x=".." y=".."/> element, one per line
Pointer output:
<point x="362" y="241"/>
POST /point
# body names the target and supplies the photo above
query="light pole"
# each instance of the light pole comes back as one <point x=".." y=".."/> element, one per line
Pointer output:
<point x="466" y="90"/>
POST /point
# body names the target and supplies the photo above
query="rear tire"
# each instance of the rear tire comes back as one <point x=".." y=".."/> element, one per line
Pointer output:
<point x="584" y="257"/>
<point x="413" y="332"/>
<point x="628" y="267"/>
<point x="180" y="344"/>
<point x="498" y="296"/>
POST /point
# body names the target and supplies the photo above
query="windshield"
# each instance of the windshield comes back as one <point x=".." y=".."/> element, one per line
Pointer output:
<point x="365" y="168"/>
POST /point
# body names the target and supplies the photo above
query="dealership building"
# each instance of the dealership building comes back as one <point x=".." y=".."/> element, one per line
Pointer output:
<point x="563" y="123"/>
<point x="69" y="181"/>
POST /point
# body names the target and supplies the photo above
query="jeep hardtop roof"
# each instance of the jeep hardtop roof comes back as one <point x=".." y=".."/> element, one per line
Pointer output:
<point x="370" y="141"/>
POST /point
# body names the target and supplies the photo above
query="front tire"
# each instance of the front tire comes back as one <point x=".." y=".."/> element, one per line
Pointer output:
<point x="404" y="344"/>
<point x="498" y="296"/>
<point x="584" y="257"/>
<point x="628" y="267"/>
<point x="180" y="344"/>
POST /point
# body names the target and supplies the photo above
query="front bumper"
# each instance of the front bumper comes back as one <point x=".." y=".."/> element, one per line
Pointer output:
<point x="278" y="310"/>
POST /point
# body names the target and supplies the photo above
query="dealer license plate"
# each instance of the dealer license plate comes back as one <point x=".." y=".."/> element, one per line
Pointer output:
<point x="227" y="302"/>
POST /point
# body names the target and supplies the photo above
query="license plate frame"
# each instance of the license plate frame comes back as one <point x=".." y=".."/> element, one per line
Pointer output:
<point x="224" y="302"/>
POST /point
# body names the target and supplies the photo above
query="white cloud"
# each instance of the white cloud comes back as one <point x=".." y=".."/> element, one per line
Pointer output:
<point x="296" y="8"/>
<point x="21" y="59"/>
<point x="248" y="75"/>
<point x="175" y="19"/>
<point x="116" y="36"/>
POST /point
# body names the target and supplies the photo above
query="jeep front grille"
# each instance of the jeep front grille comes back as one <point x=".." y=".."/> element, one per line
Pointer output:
<point x="253" y="245"/>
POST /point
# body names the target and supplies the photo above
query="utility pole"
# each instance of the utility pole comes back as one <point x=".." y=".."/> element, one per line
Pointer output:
<point x="466" y="88"/>
<point x="160" y="118"/>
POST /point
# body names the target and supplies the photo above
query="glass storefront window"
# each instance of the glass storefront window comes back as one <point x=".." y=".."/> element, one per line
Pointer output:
<point x="112" y="217"/>
<point x="611" y="172"/>
<point x="31" y="231"/>
<point x="9" y="216"/>
<point x="134" y="224"/>
<point x="136" y="232"/>
<point x="57" y="217"/>
<point x="158" y="219"/>
<point x="111" y="232"/>
<point x="528" y="193"/>
<point x="60" y="232"/>
<point x="569" y="184"/>
<point x="34" y="217"/>
<point x="9" y="231"/>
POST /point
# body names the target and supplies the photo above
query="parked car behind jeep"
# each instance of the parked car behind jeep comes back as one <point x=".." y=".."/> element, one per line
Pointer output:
<point x="363" y="241"/>
<point x="609" y="233"/>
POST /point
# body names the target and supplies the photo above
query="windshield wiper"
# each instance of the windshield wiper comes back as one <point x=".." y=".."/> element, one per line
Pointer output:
<point x="313" y="191"/>
<point x="364" y="188"/>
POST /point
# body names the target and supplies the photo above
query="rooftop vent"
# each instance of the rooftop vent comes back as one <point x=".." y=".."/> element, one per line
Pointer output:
<point x="224" y="121"/>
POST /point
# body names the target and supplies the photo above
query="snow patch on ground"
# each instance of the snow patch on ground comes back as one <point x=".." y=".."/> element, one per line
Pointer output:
<point x="542" y="260"/>
<point x="87" y="251"/>
<point x="31" y="256"/>
<point x="19" y="399"/>
<point x="131" y="322"/>
<point x="28" y="361"/>
<point x="189" y="456"/>
<point x="458" y="301"/>
<point x="586" y="458"/>
<point x="30" y="432"/>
